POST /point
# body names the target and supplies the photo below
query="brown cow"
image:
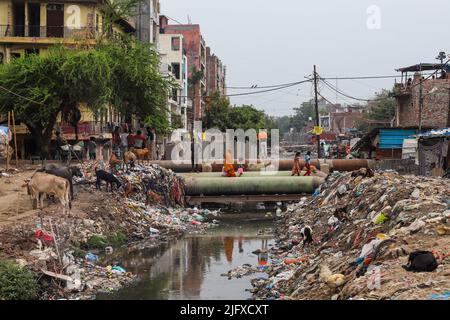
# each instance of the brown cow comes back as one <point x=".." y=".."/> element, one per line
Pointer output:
<point x="42" y="184"/>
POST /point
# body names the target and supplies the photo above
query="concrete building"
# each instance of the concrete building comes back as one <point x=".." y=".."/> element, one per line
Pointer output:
<point x="147" y="22"/>
<point x="344" y="119"/>
<point x="174" y="63"/>
<point x="435" y="93"/>
<point x="215" y="73"/>
<point x="194" y="47"/>
<point x="32" y="27"/>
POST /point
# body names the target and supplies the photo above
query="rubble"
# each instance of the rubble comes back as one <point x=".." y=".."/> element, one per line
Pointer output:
<point x="364" y="228"/>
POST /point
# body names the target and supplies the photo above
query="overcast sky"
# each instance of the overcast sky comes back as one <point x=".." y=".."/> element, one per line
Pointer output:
<point x="267" y="42"/>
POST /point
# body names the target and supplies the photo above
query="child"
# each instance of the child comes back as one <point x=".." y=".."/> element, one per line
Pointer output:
<point x="240" y="170"/>
<point x="296" y="168"/>
<point x="92" y="147"/>
<point x="308" y="164"/>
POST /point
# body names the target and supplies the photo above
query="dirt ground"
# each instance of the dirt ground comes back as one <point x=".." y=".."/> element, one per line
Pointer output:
<point x="17" y="207"/>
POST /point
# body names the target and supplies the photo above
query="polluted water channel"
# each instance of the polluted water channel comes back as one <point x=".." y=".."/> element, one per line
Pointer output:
<point x="196" y="266"/>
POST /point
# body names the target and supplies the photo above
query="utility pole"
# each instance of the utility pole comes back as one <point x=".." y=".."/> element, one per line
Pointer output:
<point x="420" y="104"/>
<point x="317" y="111"/>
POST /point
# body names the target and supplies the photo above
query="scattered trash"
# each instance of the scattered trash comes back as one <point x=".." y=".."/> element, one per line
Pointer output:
<point x="365" y="226"/>
<point x="90" y="257"/>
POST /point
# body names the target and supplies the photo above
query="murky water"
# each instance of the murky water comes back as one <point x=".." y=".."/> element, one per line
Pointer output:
<point x="191" y="268"/>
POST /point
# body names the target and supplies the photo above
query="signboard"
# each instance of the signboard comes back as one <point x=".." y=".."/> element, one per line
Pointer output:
<point x="317" y="130"/>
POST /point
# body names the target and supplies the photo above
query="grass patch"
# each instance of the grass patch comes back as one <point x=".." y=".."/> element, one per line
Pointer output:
<point x="101" y="241"/>
<point x="17" y="283"/>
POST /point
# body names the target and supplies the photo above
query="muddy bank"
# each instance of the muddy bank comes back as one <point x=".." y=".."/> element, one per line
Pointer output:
<point x="364" y="230"/>
<point x="63" y="250"/>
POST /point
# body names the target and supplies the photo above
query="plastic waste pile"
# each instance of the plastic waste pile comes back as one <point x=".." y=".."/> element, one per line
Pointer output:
<point x="5" y="148"/>
<point x="154" y="178"/>
<point x="365" y="227"/>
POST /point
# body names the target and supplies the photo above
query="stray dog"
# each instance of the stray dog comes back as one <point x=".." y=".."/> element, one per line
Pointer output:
<point x="109" y="178"/>
<point x="306" y="233"/>
<point x="114" y="162"/>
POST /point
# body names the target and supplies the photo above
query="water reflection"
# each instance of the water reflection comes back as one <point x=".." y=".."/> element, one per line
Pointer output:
<point x="191" y="268"/>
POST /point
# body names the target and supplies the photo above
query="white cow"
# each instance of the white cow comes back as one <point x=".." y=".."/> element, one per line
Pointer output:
<point x="42" y="184"/>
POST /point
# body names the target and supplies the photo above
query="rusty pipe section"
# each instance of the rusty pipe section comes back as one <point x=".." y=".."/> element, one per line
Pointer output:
<point x="283" y="165"/>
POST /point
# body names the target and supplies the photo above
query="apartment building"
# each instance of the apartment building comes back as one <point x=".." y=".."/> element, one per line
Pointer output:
<point x="194" y="47"/>
<point x="174" y="63"/>
<point x="215" y="73"/>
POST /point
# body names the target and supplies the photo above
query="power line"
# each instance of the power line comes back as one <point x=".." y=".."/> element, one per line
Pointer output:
<point x="342" y="93"/>
<point x="20" y="96"/>
<point x="173" y="19"/>
<point x="263" y="87"/>
<point x="254" y="92"/>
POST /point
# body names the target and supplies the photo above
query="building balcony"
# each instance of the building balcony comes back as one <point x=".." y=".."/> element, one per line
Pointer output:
<point x="87" y="129"/>
<point x="46" y="34"/>
<point x="401" y="89"/>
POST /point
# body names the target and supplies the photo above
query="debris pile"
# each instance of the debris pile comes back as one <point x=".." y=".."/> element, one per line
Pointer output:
<point x="367" y="229"/>
<point x="5" y="149"/>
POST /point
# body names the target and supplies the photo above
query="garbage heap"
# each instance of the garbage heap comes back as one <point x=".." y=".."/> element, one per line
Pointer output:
<point x="5" y="149"/>
<point x="163" y="184"/>
<point x="364" y="226"/>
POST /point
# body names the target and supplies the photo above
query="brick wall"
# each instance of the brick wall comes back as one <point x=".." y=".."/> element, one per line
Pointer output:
<point x="436" y="105"/>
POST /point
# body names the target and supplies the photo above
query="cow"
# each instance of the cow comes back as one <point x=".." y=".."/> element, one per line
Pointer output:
<point x="64" y="172"/>
<point x="42" y="184"/>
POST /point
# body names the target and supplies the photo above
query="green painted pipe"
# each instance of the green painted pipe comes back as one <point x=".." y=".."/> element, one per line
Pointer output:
<point x="247" y="174"/>
<point x="251" y="185"/>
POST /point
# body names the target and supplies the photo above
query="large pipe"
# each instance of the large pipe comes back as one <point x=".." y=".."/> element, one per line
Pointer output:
<point x="247" y="174"/>
<point x="283" y="165"/>
<point x="251" y="185"/>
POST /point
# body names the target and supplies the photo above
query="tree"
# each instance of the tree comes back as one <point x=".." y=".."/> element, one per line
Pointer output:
<point x="39" y="88"/>
<point x="221" y="115"/>
<point x="381" y="111"/>
<point x="124" y="74"/>
<point x="303" y="114"/>
<point x="116" y="10"/>
<point x="137" y="86"/>
<point x="284" y="123"/>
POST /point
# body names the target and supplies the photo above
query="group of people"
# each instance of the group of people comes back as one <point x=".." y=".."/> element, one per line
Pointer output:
<point x="297" y="168"/>
<point x="125" y="139"/>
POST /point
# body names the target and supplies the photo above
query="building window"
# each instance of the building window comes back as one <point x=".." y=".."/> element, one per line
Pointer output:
<point x="176" y="71"/>
<point x="1" y="58"/>
<point x="175" y="44"/>
<point x="15" y="55"/>
<point x="174" y="94"/>
<point x="31" y="51"/>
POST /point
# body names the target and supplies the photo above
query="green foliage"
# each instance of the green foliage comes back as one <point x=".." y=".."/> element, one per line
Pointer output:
<point x="116" y="239"/>
<point x="221" y="115"/>
<point x="115" y="10"/>
<point x="56" y="83"/>
<point x="124" y="73"/>
<point x="284" y="123"/>
<point x="97" y="241"/>
<point x="16" y="283"/>
<point x="102" y="241"/>
<point x="137" y="86"/>
<point x="380" y="112"/>
<point x="196" y="76"/>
